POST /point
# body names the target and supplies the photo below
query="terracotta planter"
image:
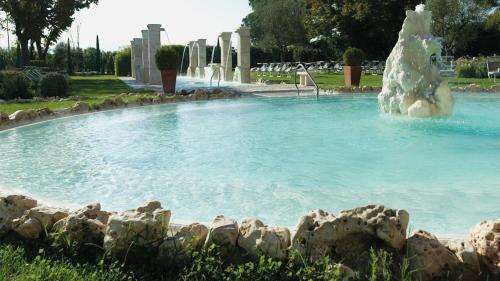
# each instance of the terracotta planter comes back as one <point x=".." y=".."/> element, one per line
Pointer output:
<point x="169" y="79"/>
<point x="352" y="75"/>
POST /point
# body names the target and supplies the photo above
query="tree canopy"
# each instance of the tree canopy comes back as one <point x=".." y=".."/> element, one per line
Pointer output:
<point x="277" y="24"/>
<point x="41" y="21"/>
<point x="456" y="21"/>
<point x="370" y="25"/>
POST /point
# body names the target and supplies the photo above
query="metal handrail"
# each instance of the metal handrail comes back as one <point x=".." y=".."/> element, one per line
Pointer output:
<point x="300" y="65"/>
<point x="212" y="77"/>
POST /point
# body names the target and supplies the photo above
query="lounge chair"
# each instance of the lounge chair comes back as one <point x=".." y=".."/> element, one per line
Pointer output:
<point x="493" y="67"/>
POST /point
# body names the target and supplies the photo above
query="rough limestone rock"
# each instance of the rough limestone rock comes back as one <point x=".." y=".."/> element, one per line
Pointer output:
<point x="191" y="237"/>
<point x="4" y="118"/>
<point x="412" y="82"/>
<point x="144" y="227"/>
<point x="37" y="220"/>
<point x="80" y="107"/>
<point x="200" y="95"/>
<point x="13" y="207"/>
<point x="119" y="102"/>
<point x="485" y="238"/>
<point x="468" y="258"/>
<point x="256" y="239"/>
<point x="321" y="234"/>
<point x="87" y="225"/>
<point x="429" y="258"/>
<point x="224" y="234"/>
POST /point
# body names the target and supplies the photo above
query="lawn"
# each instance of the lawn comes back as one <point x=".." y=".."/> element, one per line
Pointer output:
<point x="94" y="89"/>
<point x="327" y="81"/>
<point x="16" y="264"/>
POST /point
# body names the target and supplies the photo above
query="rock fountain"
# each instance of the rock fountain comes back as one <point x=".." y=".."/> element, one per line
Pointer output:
<point x="412" y="83"/>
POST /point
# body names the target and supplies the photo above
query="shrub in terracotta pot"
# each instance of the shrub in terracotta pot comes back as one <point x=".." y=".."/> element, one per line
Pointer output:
<point x="353" y="58"/>
<point x="167" y="61"/>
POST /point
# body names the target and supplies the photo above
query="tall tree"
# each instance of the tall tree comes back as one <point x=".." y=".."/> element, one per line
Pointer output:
<point x="452" y="20"/>
<point x="41" y="21"/>
<point x="277" y="24"/>
<point x="370" y="25"/>
<point x="69" y="60"/>
<point x="98" y="57"/>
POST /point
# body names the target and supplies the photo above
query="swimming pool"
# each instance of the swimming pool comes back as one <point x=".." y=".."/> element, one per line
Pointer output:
<point x="271" y="158"/>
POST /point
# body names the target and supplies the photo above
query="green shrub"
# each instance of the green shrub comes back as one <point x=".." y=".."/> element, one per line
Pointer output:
<point x="15" y="85"/>
<point x="38" y="63"/>
<point x="471" y="68"/>
<point x="167" y="58"/>
<point x="123" y="63"/>
<point x="353" y="57"/>
<point x="54" y="85"/>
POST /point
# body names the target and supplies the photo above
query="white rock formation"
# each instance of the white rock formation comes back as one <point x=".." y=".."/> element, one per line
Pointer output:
<point x="37" y="221"/>
<point x="190" y="237"/>
<point x="144" y="227"/>
<point x="259" y="239"/>
<point x="87" y="225"/>
<point x="429" y="259"/>
<point x="223" y="233"/>
<point x="412" y="82"/>
<point x="321" y="234"/>
<point x="485" y="238"/>
<point x="13" y="207"/>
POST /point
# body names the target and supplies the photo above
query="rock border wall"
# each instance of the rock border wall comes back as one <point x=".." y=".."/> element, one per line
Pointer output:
<point x="26" y="117"/>
<point x="347" y="237"/>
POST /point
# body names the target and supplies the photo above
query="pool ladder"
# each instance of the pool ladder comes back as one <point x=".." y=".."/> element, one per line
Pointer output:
<point x="301" y="66"/>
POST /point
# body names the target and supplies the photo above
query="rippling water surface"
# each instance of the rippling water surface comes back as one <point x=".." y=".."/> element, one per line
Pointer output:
<point x="274" y="159"/>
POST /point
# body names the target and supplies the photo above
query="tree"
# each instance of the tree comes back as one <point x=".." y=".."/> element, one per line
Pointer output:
<point x="277" y="24"/>
<point x="98" y="57"/>
<point x="453" y="20"/>
<point x="70" y="63"/>
<point x="366" y="24"/>
<point x="41" y="21"/>
<point x="90" y="59"/>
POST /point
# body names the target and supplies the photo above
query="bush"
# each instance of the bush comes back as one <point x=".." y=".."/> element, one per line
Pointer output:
<point x="353" y="57"/>
<point x="54" y="85"/>
<point x="15" y="85"/>
<point x="167" y="58"/>
<point x="471" y="68"/>
<point x="123" y="63"/>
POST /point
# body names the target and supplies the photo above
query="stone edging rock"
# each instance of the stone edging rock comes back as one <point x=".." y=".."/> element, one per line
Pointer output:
<point x="26" y="117"/>
<point x="346" y="237"/>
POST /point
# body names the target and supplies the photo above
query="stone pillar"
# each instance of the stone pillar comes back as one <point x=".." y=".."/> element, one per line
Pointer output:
<point x="145" y="56"/>
<point x="202" y="58"/>
<point x="242" y="72"/>
<point x="226" y="57"/>
<point x="132" y="61"/>
<point x="153" y="45"/>
<point x="137" y="58"/>
<point x="193" y="59"/>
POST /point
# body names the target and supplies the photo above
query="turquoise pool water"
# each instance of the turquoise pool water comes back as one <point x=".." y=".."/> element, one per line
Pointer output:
<point x="274" y="159"/>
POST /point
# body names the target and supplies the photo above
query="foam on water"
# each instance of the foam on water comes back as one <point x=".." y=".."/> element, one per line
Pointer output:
<point x="274" y="159"/>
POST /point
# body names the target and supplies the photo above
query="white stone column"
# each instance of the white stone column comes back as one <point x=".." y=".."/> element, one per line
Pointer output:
<point x="153" y="45"/>
<point x="137" y="58"/>
<point x="242" y="72"/>
<point x="202" y="58"/>
<point x="193" y="59"/>
<point x="226" y="57"/>
<point x="132" y="58"/>
<point x="145" y="56"/>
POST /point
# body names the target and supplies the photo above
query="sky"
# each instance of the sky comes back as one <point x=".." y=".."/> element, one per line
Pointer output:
<point x="119" y="21"/>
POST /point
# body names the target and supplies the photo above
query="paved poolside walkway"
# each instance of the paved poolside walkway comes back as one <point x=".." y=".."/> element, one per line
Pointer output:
<point x="276" y="90"/>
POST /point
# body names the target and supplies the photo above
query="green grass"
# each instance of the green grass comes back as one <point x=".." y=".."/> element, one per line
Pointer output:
<point x="327" y="81"/>
<point x="16" y="264"/>
<point x="93" y="89"/>
<point x="97" y="86"/>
